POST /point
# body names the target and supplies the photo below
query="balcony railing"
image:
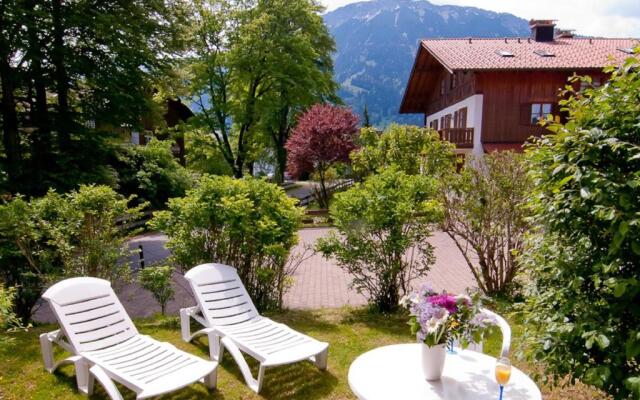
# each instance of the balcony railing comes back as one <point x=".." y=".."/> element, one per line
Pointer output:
<point x="461" y="137"/>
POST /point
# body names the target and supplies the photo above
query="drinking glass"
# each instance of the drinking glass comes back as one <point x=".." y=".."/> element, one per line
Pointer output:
<point x="503" y="373"/>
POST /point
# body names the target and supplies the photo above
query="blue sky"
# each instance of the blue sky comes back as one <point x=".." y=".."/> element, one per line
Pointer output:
<point x="611" y="18"/>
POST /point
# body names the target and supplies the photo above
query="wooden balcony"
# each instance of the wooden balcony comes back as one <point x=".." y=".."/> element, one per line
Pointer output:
<point x="461" y="137"/>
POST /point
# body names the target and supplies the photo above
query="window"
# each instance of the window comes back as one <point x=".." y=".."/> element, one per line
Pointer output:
<point x="504" y="53"/>
<point x="434" y="124"/>
<point x="540" y="111"/>
<point x="462" y="118"/>
<point x="455" y="120"/>
<point x="442" y="124"/>
<point x="544" y="53"/>
<point x="447" y="121"/>
<point x="442" y="86"/>
<point x="627" y="50"/>
<point x="595" y="82"/>
<point x="454" y="80"/>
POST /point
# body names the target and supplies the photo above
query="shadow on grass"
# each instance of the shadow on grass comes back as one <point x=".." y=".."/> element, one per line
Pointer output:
<point x="306" y="320"/>
<point x="390" y="324"/>
<point x="301" y="380"/>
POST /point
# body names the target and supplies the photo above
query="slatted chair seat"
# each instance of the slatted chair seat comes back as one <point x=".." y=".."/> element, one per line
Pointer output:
<point x="272" y="343"/>
<point x="231" y="321"/>
<point x="106" y="345"/>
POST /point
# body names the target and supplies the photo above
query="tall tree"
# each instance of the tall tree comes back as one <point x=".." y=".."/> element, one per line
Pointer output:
<point x="366" y="122"/>
<point x="11" y="61"/>
<point x="258" y="63"/>
<point x="64" y="63"/>
<point x="302" y="78"/>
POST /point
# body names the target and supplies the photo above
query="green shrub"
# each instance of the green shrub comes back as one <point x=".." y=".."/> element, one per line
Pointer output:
<point x="380" y="224"/>
<point x="8" y="319"/>
<point x="582" y="314"/>
<point x="486" y="218"/>
<point x="411" y="149"/>
<point x="75" y="234"/>
<point x="151" y="173"/>
<point x="157" y="280"/>
<point x="249" y="224"/>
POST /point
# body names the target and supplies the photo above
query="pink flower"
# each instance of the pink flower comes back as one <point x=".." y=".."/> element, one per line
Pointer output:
<point x="445" y="301"/>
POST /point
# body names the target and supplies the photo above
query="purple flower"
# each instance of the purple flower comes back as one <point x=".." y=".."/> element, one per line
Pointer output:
<point x="445" y="301"/>
<point x="482" y="320"/>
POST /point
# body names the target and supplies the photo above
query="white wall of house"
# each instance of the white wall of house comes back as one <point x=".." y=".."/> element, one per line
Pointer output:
<point x="474" y="119"/>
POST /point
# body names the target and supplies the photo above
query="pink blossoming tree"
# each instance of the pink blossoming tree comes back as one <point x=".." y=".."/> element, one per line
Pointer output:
<point x="323" y="136"/>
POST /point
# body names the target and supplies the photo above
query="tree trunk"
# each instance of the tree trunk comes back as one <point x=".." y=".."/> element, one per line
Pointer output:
<point x="280" y="140"/>
<point x="10" y="137"/>
<point x="65" y="121"/>
<point x="281" y="163"/>
<point x="41" y="136"/>
<point x="324" y="195"/>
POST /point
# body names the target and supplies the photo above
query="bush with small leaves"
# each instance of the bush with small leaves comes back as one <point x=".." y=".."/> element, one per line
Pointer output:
<point x="157" y="280"/>
<point x="248" y="223"/>
<point x="74" y="234"/>
<point x="382" y="229"/>
<point x="582" y="313"/>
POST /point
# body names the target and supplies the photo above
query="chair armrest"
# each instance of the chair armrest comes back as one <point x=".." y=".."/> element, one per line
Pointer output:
<point x="505" y="329"/>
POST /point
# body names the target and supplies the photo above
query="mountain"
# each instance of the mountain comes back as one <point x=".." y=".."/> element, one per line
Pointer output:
<point x="377" y="40"/>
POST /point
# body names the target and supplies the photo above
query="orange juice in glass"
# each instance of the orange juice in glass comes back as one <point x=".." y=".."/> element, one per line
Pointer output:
<point x="503" y="373"/>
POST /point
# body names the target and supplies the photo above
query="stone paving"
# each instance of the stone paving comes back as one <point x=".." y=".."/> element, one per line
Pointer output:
<point x="318" y="282"/>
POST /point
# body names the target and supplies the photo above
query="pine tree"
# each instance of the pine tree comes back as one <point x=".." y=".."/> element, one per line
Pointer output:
<point x="366" y="123"/>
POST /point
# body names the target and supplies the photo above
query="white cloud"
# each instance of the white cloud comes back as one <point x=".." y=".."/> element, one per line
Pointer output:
<point x="611" y="18"/>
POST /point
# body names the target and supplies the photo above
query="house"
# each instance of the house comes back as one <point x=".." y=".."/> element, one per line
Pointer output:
<point x="488" y="94"/>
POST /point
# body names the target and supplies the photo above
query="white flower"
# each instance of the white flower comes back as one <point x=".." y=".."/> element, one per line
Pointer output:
<point x="432" y="325"/>
<point x="444" y="317"/>
<point x="411" y="298"/>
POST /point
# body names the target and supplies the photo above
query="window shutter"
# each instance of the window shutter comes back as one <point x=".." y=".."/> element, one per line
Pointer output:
<point x="525" y="114"/>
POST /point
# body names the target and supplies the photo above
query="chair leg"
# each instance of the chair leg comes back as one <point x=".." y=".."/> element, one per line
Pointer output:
<point x="320" y="359"/>
<point x="211" y="380"/>
<point x="216" y="349"/>
<point x="106" y="382"/>
<point x="84" y="378"/>
<point x="46" y="347"/>
<point x="235" y="352"/>
<point x="185" y="325"/>
<point x="261" y="371"/>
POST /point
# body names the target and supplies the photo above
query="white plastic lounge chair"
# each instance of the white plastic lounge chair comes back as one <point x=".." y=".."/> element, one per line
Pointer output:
<point x="105" y="345"/>
<point x="231" y="321"/>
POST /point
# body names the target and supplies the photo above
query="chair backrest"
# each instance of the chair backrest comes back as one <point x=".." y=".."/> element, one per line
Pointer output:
<point x="505" y="329"/>
<point x="220" y="294"/>
<point x="89" y="313"/>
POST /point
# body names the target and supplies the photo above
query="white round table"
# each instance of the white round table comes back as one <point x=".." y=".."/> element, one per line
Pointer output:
<point x="395" y="372"/>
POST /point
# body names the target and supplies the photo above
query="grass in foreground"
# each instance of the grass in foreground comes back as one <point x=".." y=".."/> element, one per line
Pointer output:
<point x="350" y="333"/>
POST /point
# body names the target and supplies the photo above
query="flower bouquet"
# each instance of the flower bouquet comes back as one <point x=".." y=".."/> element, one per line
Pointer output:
<point x="438" y="319"/>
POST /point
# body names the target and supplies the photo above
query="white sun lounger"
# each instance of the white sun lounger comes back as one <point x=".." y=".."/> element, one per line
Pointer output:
<point x="105" y="345"/>
<point x="231" y="321"/>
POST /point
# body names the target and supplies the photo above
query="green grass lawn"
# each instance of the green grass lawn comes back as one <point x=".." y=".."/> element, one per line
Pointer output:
<point x="350" y="332"/>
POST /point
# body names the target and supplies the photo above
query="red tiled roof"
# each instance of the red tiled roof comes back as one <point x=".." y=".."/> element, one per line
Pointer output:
<point x="492" y="147"/>
<point x="570" y="53"/>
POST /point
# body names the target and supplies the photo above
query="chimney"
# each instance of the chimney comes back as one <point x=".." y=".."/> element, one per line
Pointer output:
<point x="542" y="29"/>
<point x="564" y="33"/>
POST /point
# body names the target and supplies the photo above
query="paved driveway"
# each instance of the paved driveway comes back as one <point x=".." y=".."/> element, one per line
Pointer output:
<point x="318" y="282"/>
